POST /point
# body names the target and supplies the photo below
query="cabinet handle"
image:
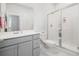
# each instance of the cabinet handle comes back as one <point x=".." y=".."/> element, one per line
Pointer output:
<point x="60" y="34"/>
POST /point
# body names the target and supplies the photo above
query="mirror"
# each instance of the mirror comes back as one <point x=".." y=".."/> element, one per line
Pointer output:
<point x="12" y="23"/>
<point x="18" y="17"/>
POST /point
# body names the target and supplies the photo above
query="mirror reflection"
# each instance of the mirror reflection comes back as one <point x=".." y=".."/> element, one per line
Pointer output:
<point x="16" y="17"/>
<point x="12" y="23"/>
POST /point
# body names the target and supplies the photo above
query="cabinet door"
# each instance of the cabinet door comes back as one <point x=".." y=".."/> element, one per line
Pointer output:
<point x="36" y="43"/>
<point x="9" y="51"/>
<point x="25" y="49"/>
<point x="36" y="52"/>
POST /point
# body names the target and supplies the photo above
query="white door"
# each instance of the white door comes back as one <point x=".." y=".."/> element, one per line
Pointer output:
<point x="70" y="28"/>
<point x="53" y="27"/>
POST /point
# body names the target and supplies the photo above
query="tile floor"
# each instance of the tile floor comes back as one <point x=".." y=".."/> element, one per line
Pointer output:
<point x="53" y="50"/>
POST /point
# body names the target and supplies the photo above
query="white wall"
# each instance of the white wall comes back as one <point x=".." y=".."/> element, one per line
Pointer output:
<point x="62" y="5"/>
<point x="40" y="15"/>
<point x="40" y="20"/>
<point x="25" y="14"/>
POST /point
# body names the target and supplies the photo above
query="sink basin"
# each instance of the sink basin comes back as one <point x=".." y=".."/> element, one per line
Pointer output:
<point x="17" y="32"/>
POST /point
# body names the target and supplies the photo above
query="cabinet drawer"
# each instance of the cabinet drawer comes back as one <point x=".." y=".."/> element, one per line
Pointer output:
<point x="36" y="43"/>
<point x="8" y="42"/>
<point x="36" y="52"/>
<point x="12" y="41"/>
<point x="25" y="38"/>
<point x="37" y="36"/>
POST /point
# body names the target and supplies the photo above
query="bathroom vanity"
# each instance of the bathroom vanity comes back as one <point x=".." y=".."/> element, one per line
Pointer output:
<point x="20" y="43"/>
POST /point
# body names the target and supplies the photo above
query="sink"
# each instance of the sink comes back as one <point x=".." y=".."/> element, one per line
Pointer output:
<point x="17" y="32"/>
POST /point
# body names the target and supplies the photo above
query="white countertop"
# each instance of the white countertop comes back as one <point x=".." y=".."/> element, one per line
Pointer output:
<point x="7" y="35"/>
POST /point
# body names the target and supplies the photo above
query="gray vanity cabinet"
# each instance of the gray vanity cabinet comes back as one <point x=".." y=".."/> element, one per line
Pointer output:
<point x="36" y="45"/>
<point x="25" y="49"/>
<point x="21" y="46"/>
<point x="9" y="51"/>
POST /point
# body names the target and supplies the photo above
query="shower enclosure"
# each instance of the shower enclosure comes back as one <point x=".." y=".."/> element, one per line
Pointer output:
<point x="63" y="27"/>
